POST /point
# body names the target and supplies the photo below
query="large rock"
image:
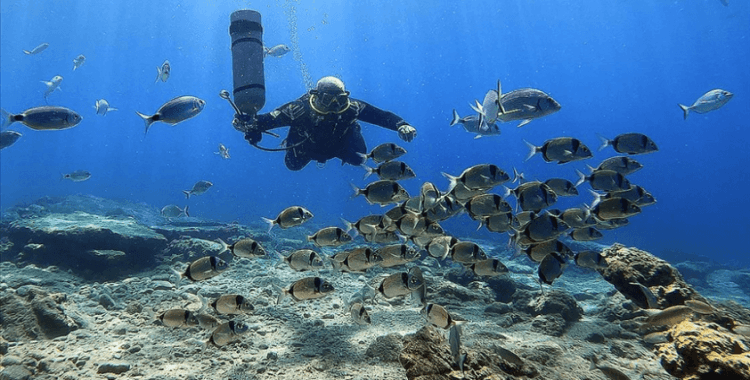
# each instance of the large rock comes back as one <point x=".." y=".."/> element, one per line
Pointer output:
<point x="626" y="266"/>
<point x="90" y="244"/>
<point x="702" y="351"/>
<point x="33" y="315"/>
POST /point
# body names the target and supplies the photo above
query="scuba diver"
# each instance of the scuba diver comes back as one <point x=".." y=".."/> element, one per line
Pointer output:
<point x="324" y="125"/>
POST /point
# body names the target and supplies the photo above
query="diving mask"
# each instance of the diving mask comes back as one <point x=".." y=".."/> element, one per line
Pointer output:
<point x="325" y="103"/>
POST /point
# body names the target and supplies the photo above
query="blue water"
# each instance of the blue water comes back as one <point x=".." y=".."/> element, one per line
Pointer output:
<point x="615" y="66"/>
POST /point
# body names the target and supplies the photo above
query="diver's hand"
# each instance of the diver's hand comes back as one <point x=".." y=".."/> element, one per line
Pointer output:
<point x="253" y="137"/>
<point x="407" y="132"/>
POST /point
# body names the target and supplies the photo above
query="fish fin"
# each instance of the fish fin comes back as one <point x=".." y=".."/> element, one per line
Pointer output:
<point x="591" y="168"/>
<point x="499" y="101"/>
<point x="186" y="211"/>
<point x="477" y="137"/>
<point x="179" y="277"/>
<point x="112" y="109"/>
<point x="146" y="119"/>
<point x="527" y="121"/>
<point x="567" y="153"/>
<point x="685" y="110"/>
<point x="224" y="246"/>
<point x="349" y="225"/>
<point x="7" y="118"/>
<point x="597" y="199"/>
<point x="453" y="181"/>
<point x="581" y="178"/>
<point x="187" y="193"/>
<point x="27" y="52"/>
<point x="605" y="142"/>
<point x="368" y="170"/>
<point x="358" y="192"/>
<point x="364" y="157"/>
<point x="517" y="176"/>
<point x="270" y="223"/>
<point x="456" y="119"/>
<point x="477" y="107"/>
<point x="282" y="293"/>
<point x="158" y="74"/>
<point x="533" y="150"/>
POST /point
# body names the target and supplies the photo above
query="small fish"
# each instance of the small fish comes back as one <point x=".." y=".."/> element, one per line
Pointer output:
<point x="289" y="217"/>
<point x="162" y="73"/>
<point x="204" y="268"/>
<point x="454" y="340"/>
<point x="175" y="111"/>
<point x="437" y="316"/>
<point x="636" y="194"/>
<point x="630" y="143"/>
<point x="359" y="314"/>
<point x="78" y="61"/>
<point x="8" y="138"/>
<point x="611" y="372"/>
<point x="207" y="321"/>
<point x="401" y="284"/>
<point x="612" y="224"/>
<point x="604" y="180"/>
<point x="483" y="176"/>
<point x="562" y="187"/>
<point x="52" y="85"/>
<point x="490" y="107"/>
<point x="276" y="51"/>
<point x="621" y="164"/>
<point x="365" y="225"/>
<point x="397" y="254"/>
<point x="77" y="176"/>
<point x="385" y="152"/>
<point x="223" y="152"/>
<point x="472" y="125"/>
<point x="537" y="252"/>
<point x="585" y="234"/>
<point x="428" y="196"/>
<point x="102" y="107"/>
<point x="651" y="301"/>
<point x="391" y="170"/>
<point x="382" y="192"/>
<point x="669" y="316"/>
<point x="578" y="218"/>
<point x="533" y="196"/>
<point x="384" y="237"/>
<point x="232" y="304"/>
<point x="485" y="205"/>
<point x="446" y="207"/>
<point x="710" y="101"/>
<point x="466" y="252"/>
<point x="412" y="224"/>
<point x="526" y="104"/>
<point x="498" y="223"/>
<point x="615" y="208"/>
<point x="227" y="333"/>
<point x="551" y="268"/>
<point x="357" y="260"/>
<point x="46" y="118"/>
<point x="330" y="237"/>
<point x="199" y="188"/>
<point x="178" y="318"/>
<point x="656" y="337"/>
<point x="590" y="259"/>
<point x="174" y="211"/>
<point x="306" y="289"/>
<point x="560" y="149"/>
<point x="699" y="307"/>
<point x="247" y="248"/>
<point x="488" y="267"/>
<point x="304" y="260"/>
<point x="37" y="49"/>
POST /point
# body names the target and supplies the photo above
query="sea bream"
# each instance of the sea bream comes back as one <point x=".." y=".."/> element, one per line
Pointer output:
<point x="526" y="104"/>
<point x="174" y="211"/>
<point x="471" y="125"/>
<point x="223" y="152"/>
<point x="303" y="260"/>
<point x="199" y="188"/>
<point x="330" y="237"/>
<point x="246" y="247"/>
<point x="230" y="304"/>
<point x="102" y="107"/>
<point x="175" y="111"/>
<point x="560" y="149"/>
<point x="204" y="268"/>
<point x="45" y="118"/>
<point x="382" y="192"/>
<point x="162" y="73"/>
<point x="482" y="176"/>
<point x="306" y="289"/>
<point x="384" y="152"/>
<point x="78" y="61"/>
<point x="630" y="143"/>
<point x="391" y="170"/>
<point x="43" y="46"/>
<point x="289" y="217"/>
<point x="179" y="318"/>
<point x="77" y="176"/>
<point x="401" y="284"/>
<point x="227" y="333"/>
<point x="276" y="51"/>
<point x="52" y="85"/>
<point x="8" y="138"/>
<point x="710" y="101"/>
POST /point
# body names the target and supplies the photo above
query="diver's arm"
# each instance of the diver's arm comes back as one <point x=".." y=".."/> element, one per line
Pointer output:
<point x="374" y="115"/>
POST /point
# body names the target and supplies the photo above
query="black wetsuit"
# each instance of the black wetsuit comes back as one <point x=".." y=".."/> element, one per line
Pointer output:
<point x="325" y="136"/>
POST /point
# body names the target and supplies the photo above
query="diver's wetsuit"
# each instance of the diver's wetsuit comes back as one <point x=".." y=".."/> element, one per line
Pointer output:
<point x="325" y="136"/>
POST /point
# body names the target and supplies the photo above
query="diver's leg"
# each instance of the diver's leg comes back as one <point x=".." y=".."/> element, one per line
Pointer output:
<point x="355" y="145"/>
<point x="295" y="159"/>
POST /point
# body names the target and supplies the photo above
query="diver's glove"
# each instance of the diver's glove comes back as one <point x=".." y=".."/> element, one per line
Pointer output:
<point x="246" y="124"/>
<point x="253" y="137"/>
<point x="407" y="132"/>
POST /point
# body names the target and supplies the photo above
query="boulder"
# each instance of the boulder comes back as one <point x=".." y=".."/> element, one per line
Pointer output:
<point x="34" y="315"/>
<point x="386" y="347"/>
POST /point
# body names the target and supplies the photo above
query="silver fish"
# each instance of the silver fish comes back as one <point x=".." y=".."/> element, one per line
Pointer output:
<point x="385" y="152"/>
<point x="560" y="149"/>
<point x="77" y="176"/>
<point x="466" y="252"/>
<point x="207" y="321"/>
<point x="223" y="152"/>
<point x="428" y="196"/>
<point x="630" y="143"/>
<point x="562" y="187"/>
<point x="440" y="246"/>
<point x="710" y="101"/>
<point x="46" y="118"/>
<point x="437" y="316"/>
<point x="699" y="307"/>
<point x="498" y="223"/>
<point x="330" y="237"/>
<point x="357" y="260"/>
<point x="400" y="284"/>
<point x="472" y="125"/>
<point x="446" y="207"/>
<point x="590" y="259"/>
<point x="8" y="138"/>
<point x="78" y="61"/>
<point x="276" y="51"/>
<point x="306" y="289"/>
<point x="247" y="248"/>
<point x="604" y="180"/>
<point x="382" y="192"/>
<point x="174" y="211"/>
<point x="669" y="316"/>
<point x="551" y="268"/>
<point x="37" y="49"/>
<point x="651" y="301"/>
<point x="162" y="73"/>
<point x="543" y="228"/>
<point x="526" y="104"/>
<point x="578" y="218"/>
<point x="484" y="205"/>
<point x="52" y="85"/>
<point x="482" y="176"/>
<point x="102" y="107"/>
<point x="232" y="304"/>
<point x="533" y="196"/>
<point x="615" y="208"/>
<point x="488" y="267"/>
<point x="365" y="225"/>
<point x="397" y="254"/>
<point x="175" y="111"/>
<point x="636" y="194"/>
<point x="304" y="260"/>
<point x="455" y="343"/>
<point x="537" y="252"/>
<point x="412" y="224"/>
<point x="289" y="217"/>
<point x="180" y="318"/>
<point x="199" y="188"/>
<point x="204" y="268"/>
<point x="621" y="164"/>
<point x="391" y="170"/>
<point x="611" y="372"/>
<point x="585" y="234"/>
<point x="227" y="333"/>
<point x="359" y="314"/>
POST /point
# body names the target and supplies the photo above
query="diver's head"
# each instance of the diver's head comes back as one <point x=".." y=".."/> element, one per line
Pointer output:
<point x="329" y="96"/>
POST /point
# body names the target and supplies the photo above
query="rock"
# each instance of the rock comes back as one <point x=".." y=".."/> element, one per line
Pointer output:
<point x="387" y="348"/>
<point x="113" y="368"/>
<point x="504" y="287"/>
<point x="425" y="355"/>
<point x="36" y="315"/>
<point x="703" y="350"/>
<point x="498" y="308"/>
<point x="449" y="293"/>
<point x="15" y="372"/>
<point x="51" y="317"/>
<point x="11" y="360"/>
<point x="187" y="248"/>
<point x="556" y="302"/>
<point x="631" y="265"/>
<point x="552" y="325"/>
<point x="94" y="245"/>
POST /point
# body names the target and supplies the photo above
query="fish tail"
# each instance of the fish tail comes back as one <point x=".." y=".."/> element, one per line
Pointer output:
<point x="7" y="118"/>
<point x="146" y="119"/>
<point x="499" y="101"/>
<point x="186" y="211"/>
<point x="456" y="119"/>
<point x="533" y="150"/>
<point x="581" y="178"/>
<point x="453" y="181"/>
<point x="158" y="74"/>
<point x="357" y="191"/>
<point x="368" y="170"/>
<point x="179" y="277"/>
<point x="282" y="293"/>
<point x="270" y="223"/>
<point x="685" y="110"/>
<point x="349" y="225"/>
<point x="187" y="193"/>
<point x="596" y="201"/>
<point x="224" y="246"/>
<point x="27" y="52"/>
<point x="364" y="157"/>
<point x="517" y="176"/>
<point x="605" y="142"/>
<point x="112" y="109"/>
